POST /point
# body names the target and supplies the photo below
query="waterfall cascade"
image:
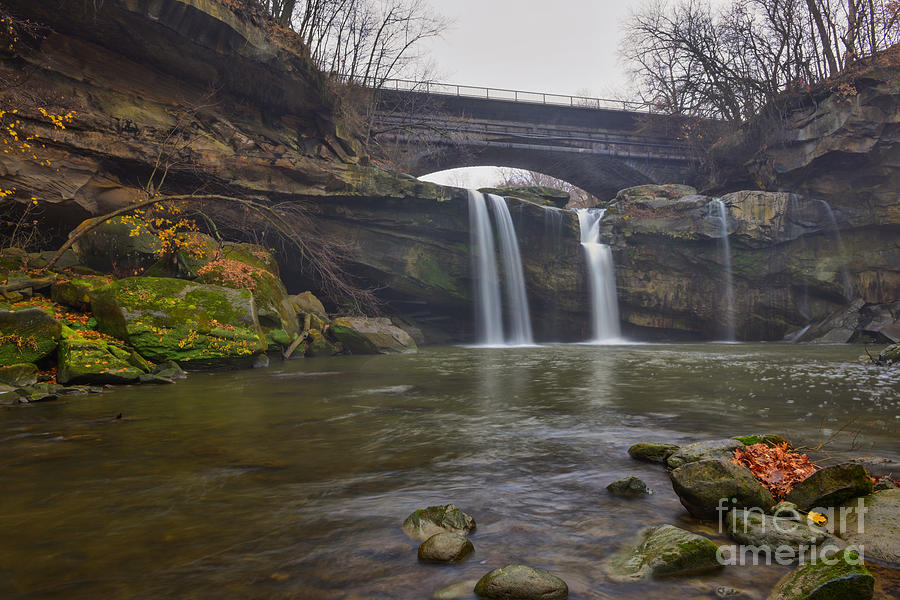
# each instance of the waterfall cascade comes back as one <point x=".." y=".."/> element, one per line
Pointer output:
<point x="488" y="306"/>
<point x="722" y="215"/>
<point x="845" y="275"/>
<point x="601" y="278"/>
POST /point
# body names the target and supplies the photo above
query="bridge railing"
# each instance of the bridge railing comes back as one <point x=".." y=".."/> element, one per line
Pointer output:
<point x="471" y="91"/>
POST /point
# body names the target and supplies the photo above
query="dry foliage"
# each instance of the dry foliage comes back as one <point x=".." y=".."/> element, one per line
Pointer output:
<point x="777" y="467"/>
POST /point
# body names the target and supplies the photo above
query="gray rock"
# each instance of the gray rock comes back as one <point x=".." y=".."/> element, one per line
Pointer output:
<point x="754" y="528"/>
<point x="879" y="529"/>
<point x="831" y="486"/>
<point x="701" y="486"/>
<point x="19" y="375"/>
<point x="885" y="483"/>
<point x="649" y="452"/>
<point x="629" y="487"/>
<point x="845" y="580"/>
<point x="519" y="582"/>
<point x="889" y="355"/>
<point x="445" y="547"/>
<point x="362" y="335"/>
<point x="426" y="522"/>
<point x="460" y="589"/>
<point x="708" y="450"/>
<point x="662" y="551"/>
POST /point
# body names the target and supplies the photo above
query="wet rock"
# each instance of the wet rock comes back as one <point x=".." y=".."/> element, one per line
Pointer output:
<point x="27" y="336"/>
<point x="361" y="335"/>
<point x="885" y="483"/>
<point x="889" y="355"/>
<point x="307" y="302"/>
<point x="75" y="292"/>
<point x="520" y="582"/>
<point x="878" y="466"/>
<point x="702" y="485"/>
<point x="445" y="547"/>
<point x="318" y="345"/>
<point x="847" y="579"/>
<point x="662" y="551"/>
<point x="91" y="361"/>
<point x="462" y="589"/>
<point x="754" y="528"/>
<point x="629" y="487"/>
<point x="831" y="486"/>
<point x="708" y="450"/>
<point x="39" y="392"/>
<point x="878" y="531"/>
<point x="124" y="245"/>
<point x="649" y="452"/>
<point x="538" y="194"/>
<point x="761" y="438"/>
<point x="426" y="522"/>
<point x="168" y="369"/>
<point x="19" y="375"/>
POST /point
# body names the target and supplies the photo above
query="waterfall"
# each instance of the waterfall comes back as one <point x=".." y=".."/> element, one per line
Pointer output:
<point x="488" y="318"/>
<point x="601" y="277"/>
<point x="725" y="246"/>
<point x="845" y="275"/>
<point x="488" y="307"/>
<point x="513" y="276"/>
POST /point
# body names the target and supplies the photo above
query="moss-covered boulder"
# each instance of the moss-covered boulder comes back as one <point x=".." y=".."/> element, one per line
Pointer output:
<point x="877" y="529"/>
<point x="363" y="335"/>
<point x="889" y="355"/>
<point x="521" y="582"/>
<point x="768" y="439"/>
<point x="318" y="345"/>
<point x="831" y="486"/>
<point x="846" y="578"/>
<point x="662" y="551"/>
<point x="27" y="336"/>
<point x="426" y="522"/>
<point x="75" y="291"/>
<point x="702" y="485"/>
<point x="125" y="245"/>
<point x="629" y="487"/>
<point x="445" y="547"/>
<point x="174" y="319"/>
<point x="755" y="528"/>
<point x="707" y="450"/>
<point x="19" y="375"/>
<point x="649" y="452"/>
<point x="306" y="302"/>
<point x="92" y="361"/>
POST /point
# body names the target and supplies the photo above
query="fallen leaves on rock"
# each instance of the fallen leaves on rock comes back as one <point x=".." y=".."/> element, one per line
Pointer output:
<point x="778" y="467"/>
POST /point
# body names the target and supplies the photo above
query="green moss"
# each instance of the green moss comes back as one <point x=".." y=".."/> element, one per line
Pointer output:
<point x="818" y="580"/>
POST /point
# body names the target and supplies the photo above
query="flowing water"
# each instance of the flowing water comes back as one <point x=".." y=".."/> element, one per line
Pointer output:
<point x="293" y="481"/>
<point x="488" y="315"/>
<point x="519" y="315"/>
<point x="728" y="299"/>
<point x="601" y="277"/>
<point x="835" y="230"/>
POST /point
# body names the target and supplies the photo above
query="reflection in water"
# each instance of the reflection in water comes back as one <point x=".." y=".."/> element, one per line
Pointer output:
<point x="292" y="481"/>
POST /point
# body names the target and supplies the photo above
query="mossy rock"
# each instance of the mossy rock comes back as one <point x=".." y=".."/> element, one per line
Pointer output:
<point x="318" y="345"/>
<point x="306" y="302"/>
<point x="94" y="362"/>
<point x="19" y="375"/>
<point x="537" y="194"/>
<point x="125" y="245"/>
<point x="649" y="452"/>
<point x="445" y="547"/>
<point x="75" y="292"/>
<point x="669" y="191"/>
<point x="426" y="522"/>
<point x="521" y="582"/>
<point x="767" y="439"/>
<point x="890" y="355"/>
<point x="11" y="260"/>
<point x="27" y="336"/>
<point x="701" y="485"/>
<point x="831" y="486"/>
<point x="662" y="551"/>
<point x="708" y="450"/>
<point x="846" y="579"/>
<point x="362" y="335"/>
<point x="879" y="529"/>
<point x="174" y="319"/>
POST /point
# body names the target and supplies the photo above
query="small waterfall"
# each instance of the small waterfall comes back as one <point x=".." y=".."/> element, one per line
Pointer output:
<point x="722" y="216"/>
<point x="513" y="276"/>
<point x="488" y="317"/>
<point x="601" y="277"/>
<point x="845" y="274"/>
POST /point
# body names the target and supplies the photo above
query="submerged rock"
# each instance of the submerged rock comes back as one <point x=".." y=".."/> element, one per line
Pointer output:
<point x="27" y="336"/>
<point x="660" y="552"/>
<point x="19" y="375"/>
<point x="754" y="528"/>
<point x="831" y="486"/>
<point x="362" y="335"/>
<point x="520" y="582"/>
<point x="426" y="522"/>
<point x="461" y="589"/>
<point x="878" y="531"/>
<point x="708" y="450"/>
<point x="649" y="452"/>
<point x="703" y="486"/>
<point x="445" y="547"/>
<point x="846" y="579"/>
<point x="629" y="487"/>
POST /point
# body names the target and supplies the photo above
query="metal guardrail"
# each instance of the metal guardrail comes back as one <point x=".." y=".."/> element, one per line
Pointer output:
<point x="471" y="91"/>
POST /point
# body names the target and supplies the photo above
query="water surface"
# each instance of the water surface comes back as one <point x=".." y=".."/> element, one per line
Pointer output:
<point x="292" y="481"/>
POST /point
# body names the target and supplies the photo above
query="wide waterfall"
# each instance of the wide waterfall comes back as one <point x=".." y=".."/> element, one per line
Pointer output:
<point x="601" y="277"/>
<point x="728" y="304"/>
<point x="488" y="308"/>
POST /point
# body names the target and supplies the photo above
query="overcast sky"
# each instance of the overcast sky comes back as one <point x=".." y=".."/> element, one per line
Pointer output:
<point x="556" y="46"/>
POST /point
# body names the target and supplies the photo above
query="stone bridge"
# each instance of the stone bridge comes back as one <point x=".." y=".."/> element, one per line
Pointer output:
<point x="599" y="145"/>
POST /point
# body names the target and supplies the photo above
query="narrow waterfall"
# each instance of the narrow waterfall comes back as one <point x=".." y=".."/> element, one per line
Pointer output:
<point x="845" y="275"/>
<point x="488" y="317"/>
<point x="513" y="276"/>
<point x="601" y="277"/>
<point x="722" y="216"/>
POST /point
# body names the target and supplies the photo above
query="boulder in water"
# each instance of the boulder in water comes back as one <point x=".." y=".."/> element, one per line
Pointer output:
<point x="755" y="528"/>
<point x="362" y="335"/>
<point x="629" y="487"/>
<point x="707" y="486"/>
<point x="649" y="452"/>
<point x="878" y="531"/>
<point x="662" y="551"/>
<point x="445" y="547"/>
<point x="520" y="582"/>
<point x="711" y="449"/>
<point x="19" y="375"/>
<point x="831" y="486"/>
<point x="846" y="579"/>
<point x="426" y="522"/>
